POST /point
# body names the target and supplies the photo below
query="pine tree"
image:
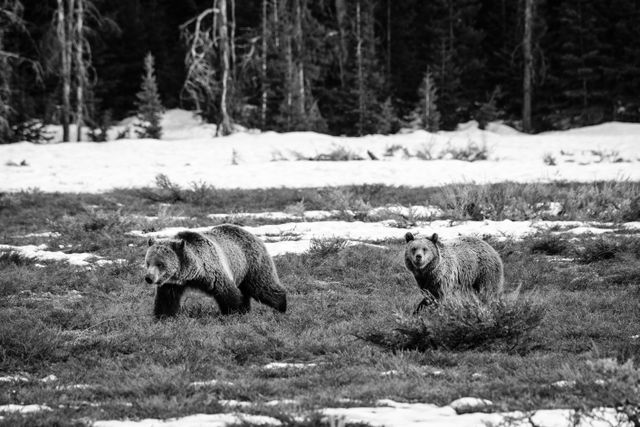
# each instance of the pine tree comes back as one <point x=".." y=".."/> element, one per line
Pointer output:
<point x="428" y="116"/>
<point x="149" y="105"/>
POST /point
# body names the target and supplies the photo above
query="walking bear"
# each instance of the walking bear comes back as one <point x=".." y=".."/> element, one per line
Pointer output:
<point x="228" y="263"/>
<point x="463" y="263"/>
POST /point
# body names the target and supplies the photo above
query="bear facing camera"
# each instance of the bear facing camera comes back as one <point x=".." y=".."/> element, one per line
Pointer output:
<point x="465" y="263"/>
<point x="227" y="263"/>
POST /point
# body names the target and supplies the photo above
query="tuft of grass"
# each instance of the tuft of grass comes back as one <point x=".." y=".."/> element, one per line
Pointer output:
<point x="339" y="154"/>
<point x="15" y="258"/>
<point x="463" y="322"/>
<point x="549" y="244"/>
<point x="549" y="159"/>
<point x="632" y="212"/>
<point x="472" y="152"/>
<point x="28" y="341"/>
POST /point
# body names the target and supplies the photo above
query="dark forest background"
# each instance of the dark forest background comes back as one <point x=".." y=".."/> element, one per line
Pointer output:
<point x="338" y="66"/>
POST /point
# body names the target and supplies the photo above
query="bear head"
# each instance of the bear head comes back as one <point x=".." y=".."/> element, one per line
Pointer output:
<point x="162" y="261"/>
<point x="422" y="251"/>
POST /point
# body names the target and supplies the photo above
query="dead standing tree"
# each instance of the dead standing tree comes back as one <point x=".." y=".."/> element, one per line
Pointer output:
<point x="207" y="60"/>
<point x="74" y="59"/>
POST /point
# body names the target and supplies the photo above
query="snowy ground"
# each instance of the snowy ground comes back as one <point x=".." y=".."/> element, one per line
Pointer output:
<point x="257" y="160"/>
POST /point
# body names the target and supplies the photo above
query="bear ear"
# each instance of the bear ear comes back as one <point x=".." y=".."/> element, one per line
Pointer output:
<point x="178" y="246"/>
<point x="408" y="237"/>
<point x="151" y="241"/>
<point x="434" y="238"/>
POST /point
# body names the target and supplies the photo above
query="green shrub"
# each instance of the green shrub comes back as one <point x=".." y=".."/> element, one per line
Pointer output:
<point x="463" y="322"/>
<point x="549" y="244"/>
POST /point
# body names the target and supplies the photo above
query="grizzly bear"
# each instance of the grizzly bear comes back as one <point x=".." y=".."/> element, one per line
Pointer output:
<point x="465" y="263"/>
<point x="227" y="262"/>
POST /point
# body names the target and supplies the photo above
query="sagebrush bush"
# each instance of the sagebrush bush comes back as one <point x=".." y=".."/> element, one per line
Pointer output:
<point x="321" y="248"/>
<point x="463" y="322"/>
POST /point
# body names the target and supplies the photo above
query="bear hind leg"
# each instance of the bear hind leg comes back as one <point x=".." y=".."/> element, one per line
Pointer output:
<point x="267" y="290"/>
<point x="167" y="302"/>
<point x="231" y="300"/>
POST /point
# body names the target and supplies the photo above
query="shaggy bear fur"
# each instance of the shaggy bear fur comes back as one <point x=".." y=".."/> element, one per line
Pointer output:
<point x="464" y="263"/>
<point x="228" y="263"/>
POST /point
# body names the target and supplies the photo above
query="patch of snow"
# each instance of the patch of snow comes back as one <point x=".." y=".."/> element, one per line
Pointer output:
<point x="283" y="402"/>
<point x="589" y="230"/>
<point x="564" y="384"/>
<point x="13" y="379"/>
<point x="77" y="387"/>
<point x="198" y="420"/>
<point x="22" y="379"/>
<point x="41" y="253"/>
<point x="395" y="414"/>
<point x="235" y="403"/>
<point x="502" y="129"/>
<point x="285" y="365"/>
<point x="49" y="379"/>
<point x="23" y="409"/>
<point x="43" y="234"/>
<point x="467" y="405"/>
<point x="551" y="208"/>
<point x="390" y="373"/>
<point x="210" y="383"/>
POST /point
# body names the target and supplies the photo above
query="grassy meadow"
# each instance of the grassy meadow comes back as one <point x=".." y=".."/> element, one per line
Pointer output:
<point x="568" y="336"/>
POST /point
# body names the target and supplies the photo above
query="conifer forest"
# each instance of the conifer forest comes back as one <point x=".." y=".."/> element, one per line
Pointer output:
<point x="343" y="67"/>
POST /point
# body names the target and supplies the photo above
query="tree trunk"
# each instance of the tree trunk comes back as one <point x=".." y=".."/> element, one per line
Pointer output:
<point x="263" y="109"/>
<point x="80" y="69"/>
<point x="360" y="70"/>
<point x="341" y="16"/>
<point x="427" y="99"/>
<point x="233" y="39"/>
<point x="289" y="85"/>
<point x="299" y="52"/>
<point x="276" y="22"/>
<point x="528" y="66"/>
<point x="225" y="123"/>
<point x="65" y="56"/>
<point x="389" y="41"/>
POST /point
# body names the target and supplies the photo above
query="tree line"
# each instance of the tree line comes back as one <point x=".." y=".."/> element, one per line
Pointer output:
<point x="349" y="67"/>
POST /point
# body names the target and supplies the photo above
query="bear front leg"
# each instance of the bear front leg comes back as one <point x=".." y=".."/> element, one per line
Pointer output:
<point x="427" y="301"/>
<point x="167" y="301"/>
